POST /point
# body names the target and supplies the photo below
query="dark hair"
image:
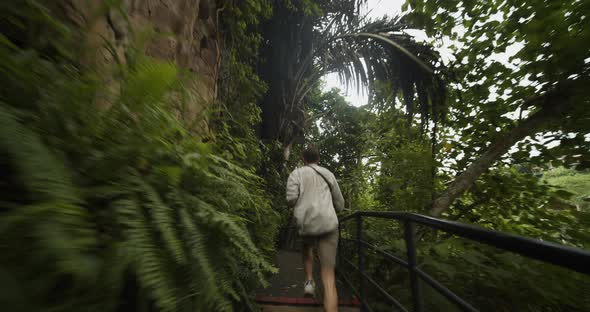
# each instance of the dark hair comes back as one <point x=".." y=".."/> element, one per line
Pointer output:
<point x="311" y="154"/>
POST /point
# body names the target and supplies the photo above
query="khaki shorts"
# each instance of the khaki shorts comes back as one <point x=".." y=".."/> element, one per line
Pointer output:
<point x="326" y="246"/>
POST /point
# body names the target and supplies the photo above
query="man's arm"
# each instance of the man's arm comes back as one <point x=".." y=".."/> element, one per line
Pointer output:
<point x="292" y="189"/>
<point x="338" y="199"/>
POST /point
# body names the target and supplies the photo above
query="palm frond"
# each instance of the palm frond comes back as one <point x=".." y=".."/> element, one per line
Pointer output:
<point x="362" y="52"/>
<point x="381" y="51"/>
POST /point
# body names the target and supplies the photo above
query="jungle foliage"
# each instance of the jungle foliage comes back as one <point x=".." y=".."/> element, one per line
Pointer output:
<point x="536" y="99"/>
<point x="518" y="77"/>
<point x="305" y="40"/>
<point x="384" y="165"/>
<point x="109" y="203"/>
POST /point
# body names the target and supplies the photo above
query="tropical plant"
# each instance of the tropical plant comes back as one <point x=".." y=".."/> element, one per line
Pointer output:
<point x="575" y="182"/>
<point x="534" y="96"/>
<point x="308" y="40"/>
<point x="339" y="131"/>
<point x="395" y="173"/>
<point x="108" y="201"/>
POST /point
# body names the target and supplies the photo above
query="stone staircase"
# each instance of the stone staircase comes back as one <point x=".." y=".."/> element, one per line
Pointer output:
<point x="285" y="293"/>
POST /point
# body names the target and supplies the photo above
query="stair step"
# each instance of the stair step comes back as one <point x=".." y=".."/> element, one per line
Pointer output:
<point x="286" y="308"/>
<point x="289" y="280"/>
<point x="302" y="301"/>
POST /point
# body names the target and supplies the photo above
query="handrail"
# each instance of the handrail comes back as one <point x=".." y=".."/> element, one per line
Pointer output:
<point x="572" y="258"/>
<point x="388" y="255"/>
<point x="379" y="287"/>
<point x="568" y="257"/>
<point x="354" y="290"/>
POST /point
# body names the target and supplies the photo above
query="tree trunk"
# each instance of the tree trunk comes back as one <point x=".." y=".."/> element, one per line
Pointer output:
<point x="288" y="41"/>
<point x="552" y="110"/>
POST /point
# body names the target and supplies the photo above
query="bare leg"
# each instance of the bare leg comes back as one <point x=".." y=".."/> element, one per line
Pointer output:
<point x="308" y="263"/>
<point x="330" y="293"/>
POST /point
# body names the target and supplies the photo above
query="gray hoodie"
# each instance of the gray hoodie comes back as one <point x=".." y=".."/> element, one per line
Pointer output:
<point x="315" y="207"/>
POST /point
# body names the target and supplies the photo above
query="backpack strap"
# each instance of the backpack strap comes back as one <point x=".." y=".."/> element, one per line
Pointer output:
<point x="323" y="177"/>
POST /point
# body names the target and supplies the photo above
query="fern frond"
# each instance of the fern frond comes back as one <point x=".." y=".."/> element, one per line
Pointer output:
<point x="237" y="236"/>
<point x="163" y="220"/>
<point x="45" y="177"/>
<point x="148" y="82"/>
<point x="206" y="276"/>
<point x="152" y="268"/>
<point x="105" y="181"/>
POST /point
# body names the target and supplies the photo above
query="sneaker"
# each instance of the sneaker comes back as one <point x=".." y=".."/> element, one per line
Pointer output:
<point x="309" y="289"/>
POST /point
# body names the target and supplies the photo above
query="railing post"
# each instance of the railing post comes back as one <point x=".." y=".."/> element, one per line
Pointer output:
<point x="411" y="252"/>
<point x="361" y="255"/>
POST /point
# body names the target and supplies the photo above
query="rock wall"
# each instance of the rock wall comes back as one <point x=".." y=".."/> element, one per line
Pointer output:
<point x="187" y="35"/>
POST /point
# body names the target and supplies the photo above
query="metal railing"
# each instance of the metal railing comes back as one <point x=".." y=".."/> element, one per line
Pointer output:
<point x="568" y="257"/>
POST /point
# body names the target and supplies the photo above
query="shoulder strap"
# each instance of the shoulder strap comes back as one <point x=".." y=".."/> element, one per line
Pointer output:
<point x="323" y="177"/>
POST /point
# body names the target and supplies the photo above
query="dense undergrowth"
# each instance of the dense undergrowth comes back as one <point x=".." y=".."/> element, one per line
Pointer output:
<point x="385" y="165"/>
<point x="108" y="201"/>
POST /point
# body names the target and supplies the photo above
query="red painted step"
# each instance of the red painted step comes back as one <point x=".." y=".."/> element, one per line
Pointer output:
<point x="303" y="301"/>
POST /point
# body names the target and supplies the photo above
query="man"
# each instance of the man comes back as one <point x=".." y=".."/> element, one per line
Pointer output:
<point x="314" y="192"/>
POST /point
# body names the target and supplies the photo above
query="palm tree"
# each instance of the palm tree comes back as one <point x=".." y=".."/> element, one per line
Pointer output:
<point x="304" y="43"/>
